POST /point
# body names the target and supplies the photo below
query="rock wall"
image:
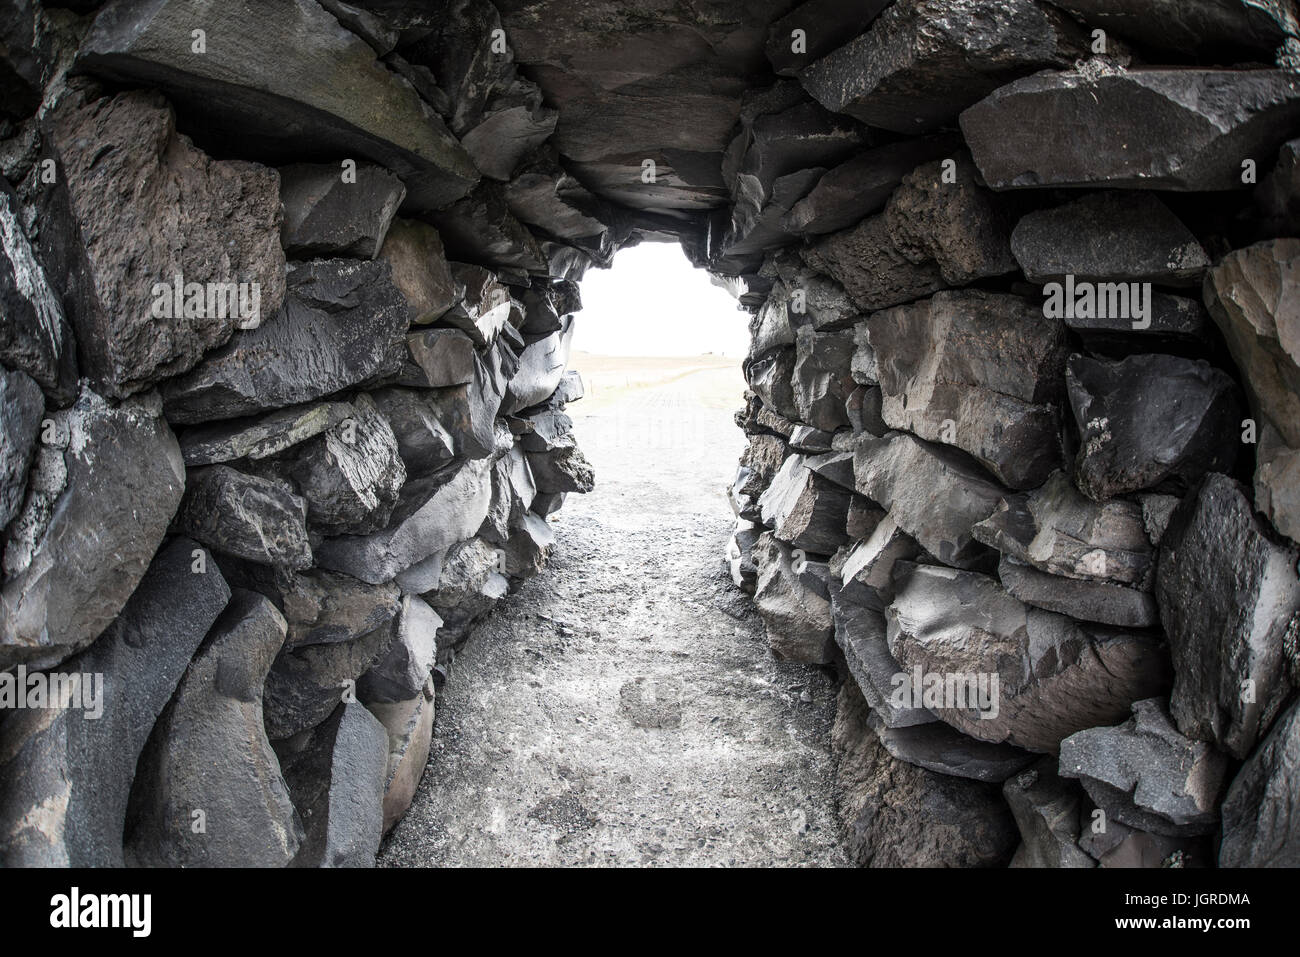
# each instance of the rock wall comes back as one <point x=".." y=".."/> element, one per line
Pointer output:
<point x="288" y="290"/>
<point x="1023" y="392"/>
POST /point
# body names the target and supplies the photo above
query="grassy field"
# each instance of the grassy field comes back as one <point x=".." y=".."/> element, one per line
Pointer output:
<point x="711" y="381"/>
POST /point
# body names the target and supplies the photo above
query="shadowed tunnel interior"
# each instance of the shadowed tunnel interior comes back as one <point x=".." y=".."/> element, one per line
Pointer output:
<point x="300" y="549"/>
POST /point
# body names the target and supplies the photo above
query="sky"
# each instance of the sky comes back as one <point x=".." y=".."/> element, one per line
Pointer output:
<point x="653" y="302"/>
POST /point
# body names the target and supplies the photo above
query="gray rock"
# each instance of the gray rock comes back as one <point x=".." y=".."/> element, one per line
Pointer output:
<point x="860" y="634"/>
<point x="792" y="597"/>
<point x="824" y="23"/>
<point x="1060" y="532"/>
<point x="485" y="307"/>
<point x="1047" y="812"/>
<point x="740" y="559"/>
<point x="68" y="776"/>
<point x="921" y="62"/>
<point x="1229" y="598"/>
<point x="437" y="359"/>
<point x="247" y="516"/>
<point x="1102" y="602"/>
<point x="932" y="493"/>
<point x="980" y="371"/>
<point x="1264" y="340"/>
<point x="209" y="753"/>
<point x="563" y="469"/>
<point x="1208" y="121"/>
<point x="867" y="571"/>
<point x="326" y="215"/>
<point x="423" y="442"/>
<point x="414" y="253"/>
<point x="35" y="337"/>
<point x="1151" y="422"/>
<point x="1054" y="676"/>
<point x="543" y="195"/>
<point x="1277" y="197"/>
<point x="541" y="366"/>
<point x="529" y="547"/>
<point x="1145" y="774"/>
<point x="351" y="475"/>
<point x="481" y="228"/>
<point x="874" y="272"/>
<point x="959" y="225"/>
<point x="804" y="509"/>
<point x="403" y="671"/>
<point x="261" y="437"/>
<point x="98" y="503"/>
<point x="771" y="378"/>
<point x="336" y="774"/>
<point x="1238" y="28"/>
<point x="1260" y="826"/>
<point x="177" y="213"/>
<point x="267" y="96"/>
<point x="306" y="684"/>
<point x="1132" y="237"/>
<point x="22" y="406"/>
<point x="323" y="607"/>
<point x="896" y="814"/>
<point x="431" y="514"/>
<point x="822" y="380"/>
<point x="944" y="750"/>
<point x="514" y="123"/>
<point x="1176" y="324"/>
<point x="410" y="731"/>
<point x="470" y="585"/>
<point x="343" y="322"/>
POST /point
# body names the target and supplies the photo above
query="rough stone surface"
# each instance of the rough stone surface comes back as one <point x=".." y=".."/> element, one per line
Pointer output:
<point x="329" y="211"/>
<point x="791" y="594"/>
<point x="247" y="516"/>
<point x="414" y="253"/>
<point x="1260" y="828"/>
<point x="21" y="407"/>
<point x="1230" y="601"/>
<point x="1047" y="811"/>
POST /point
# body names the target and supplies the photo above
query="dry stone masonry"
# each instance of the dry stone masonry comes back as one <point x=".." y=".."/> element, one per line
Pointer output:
<point x="287" y="292"/>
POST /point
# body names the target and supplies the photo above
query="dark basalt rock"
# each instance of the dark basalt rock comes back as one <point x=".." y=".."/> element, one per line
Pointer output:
<point x="343" y="322"/>
<point x="481" y="228"/>
<point x="792" y="597"/>
<point x="980" y="371"/>
<point x="21" y="407"/>
<point x="326" y="215"/>
<point x="275" y="99"/>
<point x="1260" y="828"/>
<point x="247" y="516"/>
<point x="209" y="752"/>
<point x="824" y="24"/>
<point x="1047" y="811"/>
<point x="420" y="271"/>
<point x="874" y="272"/>
<point x="68" y="776"/>
<point x="259" y="438"/>
<point x="1109" y="236"/>
<point x="1208" y="121"/>
<point x="804" y="509"/>
<point x="921" y="62"/>
<point x="1151" y="422"/>
<point x="1235" y="29"/>
<point x="1229" y="597"/>
<point x="99" y="500"/>
<point x="822" y="379"/>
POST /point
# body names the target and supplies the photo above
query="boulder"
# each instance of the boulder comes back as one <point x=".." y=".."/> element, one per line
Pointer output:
<point x="793" y="600"/>
<point x="876" y="274"/>
<point x="336" y="773"/>
<point x="1260" y="826"/>
<point x="1002" y="671"/>
<point x="942" y="749"/>
<point x="409" y="725"/>
<point x="414" y="253"/>
<point x="469" y="585"/>
<point x="250" y="517"/>
<point x="804" y="509"/>
<point x="423" y="442"/>
<point x="822" y="380"/>
<point x="273" y="98"/>
<point x="1047" y="811"/>
<point x="771" y="378"/>
<point x="260" y="437"/>
<point x="208" y="792"/>
<point x="541" y="366"/>
<point x="1229" y="599"/>
<point x="867" y="571"/>
<point x="896" y="814"/>
<point x="323" y="607"/>
<point x="932" y="493"/>
<point x="1129" y="237"/>
<point x="481" y="228"/>
<point x="329" y="211"/>
<point x="562" y="469"/>
<point x="1102" y="602"/>
<point x="437" y="359"/>
<point x="431" y="514"/>
<point x="99" y="500"/>
<point x="68" y="771"/>
<point x="403" y="671"/>
<point x="485" y="307"/>
<point x="1248" y="294"/>
<point x="1059" y="531"/>
<point x="22" y="405"/>
<point x="1208" y="121"/>
<point x="178" y="219"/>
<point x="350" y="475"/>
<point x="980" y="371"/>
<point x="1235" y="30"/>
<point x="959" y="225"/>
<point x="1150" y="422"/>
<point x="922" y="61"/>
<point x="822" y="26"/>
<point x="343" y="322"/>
<point x="1145" y="774"/>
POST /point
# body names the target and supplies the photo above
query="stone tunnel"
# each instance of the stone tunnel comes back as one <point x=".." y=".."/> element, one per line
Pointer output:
<point x="288" y="294"/>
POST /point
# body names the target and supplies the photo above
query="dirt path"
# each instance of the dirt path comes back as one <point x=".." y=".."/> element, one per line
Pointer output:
<point x="622" y="708"/>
